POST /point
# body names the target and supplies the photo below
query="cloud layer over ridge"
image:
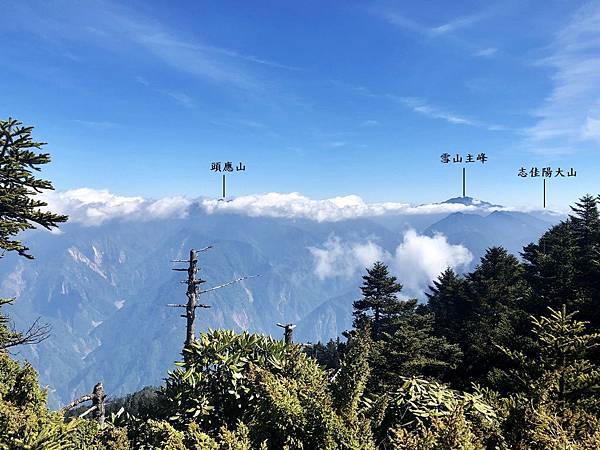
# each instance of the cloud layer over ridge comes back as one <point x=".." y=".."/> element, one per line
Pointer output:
<point x="93" y="207"/>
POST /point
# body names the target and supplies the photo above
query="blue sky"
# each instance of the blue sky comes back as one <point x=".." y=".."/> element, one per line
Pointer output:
<point x="324" y="98"/>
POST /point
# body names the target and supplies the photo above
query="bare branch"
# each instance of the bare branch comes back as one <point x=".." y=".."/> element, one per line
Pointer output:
<point x="74" y="403"/>
<point x="88" y="411"/>
<point x="36" y="333"/>
<point x="187" y="260"/>
<point x="174" y="305"/>
<point x="97" y="397"/>
<point x="337" y="372"/>
<point x="227" y="284"/>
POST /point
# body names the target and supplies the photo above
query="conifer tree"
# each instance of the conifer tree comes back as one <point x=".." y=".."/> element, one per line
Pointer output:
<point x="411" y="348"/>
<point x="564" y="266"/>
<point x="549" y="269"/>
<point x="379" y="302"/>
<point x="19" y="210"/>
<point x="328" y="355"/>
<point x="585" y="222"/>
<point x="558" y="368"/>
<point x="447" y="302"/>
<point x="495" y="291"/>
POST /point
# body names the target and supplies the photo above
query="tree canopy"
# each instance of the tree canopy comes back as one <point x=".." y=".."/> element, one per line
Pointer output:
<point x="19" y="209"/>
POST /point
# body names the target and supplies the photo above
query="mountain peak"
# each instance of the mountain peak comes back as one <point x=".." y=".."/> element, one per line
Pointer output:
<point x="470" y="201"/>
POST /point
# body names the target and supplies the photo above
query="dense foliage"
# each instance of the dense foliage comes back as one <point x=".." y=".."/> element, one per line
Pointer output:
<point x="504" y="357"/>
<point x="19" y="209"/>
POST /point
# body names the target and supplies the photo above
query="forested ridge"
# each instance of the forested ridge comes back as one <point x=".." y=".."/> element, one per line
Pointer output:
<point x="506" y="356"/>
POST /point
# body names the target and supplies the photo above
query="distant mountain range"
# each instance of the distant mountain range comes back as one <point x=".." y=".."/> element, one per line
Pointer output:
<point x="104" y="288"/>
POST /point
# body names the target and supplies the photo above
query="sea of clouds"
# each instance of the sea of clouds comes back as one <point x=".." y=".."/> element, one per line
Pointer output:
<point x="94" y="207"/>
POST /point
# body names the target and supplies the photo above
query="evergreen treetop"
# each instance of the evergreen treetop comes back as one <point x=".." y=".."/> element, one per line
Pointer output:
<point x="19" y="210"/>
<point x="380" y="299"/>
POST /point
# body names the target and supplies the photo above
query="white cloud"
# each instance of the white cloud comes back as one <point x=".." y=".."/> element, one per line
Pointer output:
<point x="143" y="81"/>
<point x="459" y="23"/>
<point x="401" y="21"/>
<point x="444" y="30"/>
<point x="336" y="144"/>
<point x="336" y="258"/>
<point x="121" y="29"/>
<point x="420" y="259"/>
<point x="96" y="124"/>
<point x="91" y="206"/>
<point x="418" y="105"/>
<point x="417" y="261"/>
<point x="181" y="98"/>
<point x="94" y="207"/>
<point x="370" y="123"/>
<point x="424" y="108"/>
<point x="487" y="52"/>
<point x="591" y="129"/>
<point x="297" y="206"/>
<point x="186" y="56"/>
<point x="169" y="207"/>
<point x="569" y="115"/>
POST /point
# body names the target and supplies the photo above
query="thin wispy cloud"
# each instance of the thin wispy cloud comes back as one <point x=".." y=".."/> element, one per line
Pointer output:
<point x="118" y="28"/>
<point x="96" y="124"/>
<point x="459" y="23"/>
<point x="243" y="125"/>
<point x="447" y="32"/>
<point x="190" y="55"/>
<point x="370" y="123"/>
<point x="187" y="57"/>
<point x="401" y="20"/>
<point x="418" y="105"/>
<point x="336" y="144"/>
<point x="182" y="98"/>
<point x="421" y="106"/>
<point x="250" y="58"/>
<point x="569" y="117"/>
<point x="487" y="52"/>
<point x="142" y="81"/>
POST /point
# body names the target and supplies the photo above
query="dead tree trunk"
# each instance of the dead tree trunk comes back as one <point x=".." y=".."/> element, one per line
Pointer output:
<point x="288" y="331"/>
<point x="193" y="294"/>
<point x="192" y="297"/>
<point x="97" y="397"/>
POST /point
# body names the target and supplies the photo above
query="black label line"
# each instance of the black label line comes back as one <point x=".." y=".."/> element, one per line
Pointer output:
<point x="544" y="193"/>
